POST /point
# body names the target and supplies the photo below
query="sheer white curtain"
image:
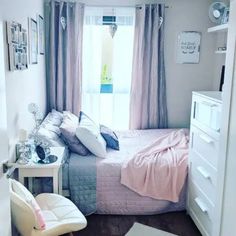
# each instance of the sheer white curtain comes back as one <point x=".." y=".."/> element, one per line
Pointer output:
<point x="92" y="60"/>
<point x="122" y="66"/>
<point x="111" y="109"/>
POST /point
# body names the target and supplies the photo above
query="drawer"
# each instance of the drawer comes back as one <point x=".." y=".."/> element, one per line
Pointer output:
<point x="204" y="175"/>
<point x="206" y="146"/>
<point x="206" y="113"/>
<point x="200" y="209"/>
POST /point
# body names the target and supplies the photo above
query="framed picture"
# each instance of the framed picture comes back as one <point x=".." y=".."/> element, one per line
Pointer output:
<point x="41" y="34"/>
<point x="33" y="41"/>
<point x="188" y="47"/>
<point x="225" y="17"/>
<point x="17" y="46"/>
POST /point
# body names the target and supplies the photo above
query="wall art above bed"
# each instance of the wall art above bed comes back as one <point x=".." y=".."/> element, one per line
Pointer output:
<point x="17" y="46"/>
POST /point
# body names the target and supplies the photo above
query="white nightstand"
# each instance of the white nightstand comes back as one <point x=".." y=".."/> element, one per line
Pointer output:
<point x="53" y="170"/>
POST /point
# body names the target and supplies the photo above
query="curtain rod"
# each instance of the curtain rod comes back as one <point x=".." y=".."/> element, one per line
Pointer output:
<point x="111" y="6"/>
<point x="136" y="6"/>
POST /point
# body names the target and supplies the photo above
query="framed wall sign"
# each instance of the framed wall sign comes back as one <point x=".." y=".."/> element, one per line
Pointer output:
<point x="41" y="34"/>
<point x="33" y="41"/>
<point x="188" y="47"/>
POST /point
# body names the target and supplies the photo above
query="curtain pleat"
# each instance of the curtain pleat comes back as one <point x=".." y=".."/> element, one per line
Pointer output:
<point x="148" y="108"/>
<point x="64" y="30"/>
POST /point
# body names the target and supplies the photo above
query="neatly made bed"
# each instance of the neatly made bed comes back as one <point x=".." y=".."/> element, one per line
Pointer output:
<point x="111" y="196"/>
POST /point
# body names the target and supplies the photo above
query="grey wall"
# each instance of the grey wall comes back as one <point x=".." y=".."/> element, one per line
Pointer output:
<point x="22" y="87"/>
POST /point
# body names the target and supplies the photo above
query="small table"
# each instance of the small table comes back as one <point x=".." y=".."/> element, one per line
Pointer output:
<point x="53" y="170"/>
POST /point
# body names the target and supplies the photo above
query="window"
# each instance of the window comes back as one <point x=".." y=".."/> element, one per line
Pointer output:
<point x="107" y="66"/>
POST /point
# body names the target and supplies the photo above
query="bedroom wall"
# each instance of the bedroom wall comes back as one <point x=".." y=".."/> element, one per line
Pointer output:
<point x="22" y="87"/>
<point x="182" y="79"/>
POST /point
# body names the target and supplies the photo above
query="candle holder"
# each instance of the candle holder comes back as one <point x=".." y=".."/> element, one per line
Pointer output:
<point x="23" y="152"/>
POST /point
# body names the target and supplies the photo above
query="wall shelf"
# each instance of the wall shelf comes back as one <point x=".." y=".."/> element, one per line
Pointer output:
<point x="220" y="51"/>
<point x="223" y="27"/>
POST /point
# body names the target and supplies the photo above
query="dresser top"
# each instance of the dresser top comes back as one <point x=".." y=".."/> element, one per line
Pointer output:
<point x="213" y="95"/>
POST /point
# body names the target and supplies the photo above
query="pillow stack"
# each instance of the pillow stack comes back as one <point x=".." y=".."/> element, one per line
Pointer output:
<point x="81" y="134"/>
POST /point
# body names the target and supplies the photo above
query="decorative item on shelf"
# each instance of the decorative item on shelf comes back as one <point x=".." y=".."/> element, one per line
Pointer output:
<point x="23" y="148"/>
<point x="225" y="17"/>
<point x="222" y="48"/>
<point x="33" y="41"/>
<point x="188" y="47"/>
<point x="217" y="11"/>
<point x="17" y="46"/>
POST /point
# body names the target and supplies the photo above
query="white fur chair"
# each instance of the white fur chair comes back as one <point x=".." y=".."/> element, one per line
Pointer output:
<point x="60" y="214"/>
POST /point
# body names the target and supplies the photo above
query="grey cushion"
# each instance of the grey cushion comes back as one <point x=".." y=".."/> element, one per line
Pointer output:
<point x="68" y="128"/>
<point x="110" y="137"/>
<point x="49" y="130"/>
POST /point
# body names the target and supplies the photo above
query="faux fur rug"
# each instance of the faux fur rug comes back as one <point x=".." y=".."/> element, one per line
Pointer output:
<point x="140" y="230"/>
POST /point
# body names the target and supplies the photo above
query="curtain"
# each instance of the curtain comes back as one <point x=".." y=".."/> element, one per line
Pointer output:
<point x="64" y="29"/>
<point x="99" y="48"/>
<point x="148" y="108"/>
<point x="92" y="62"/>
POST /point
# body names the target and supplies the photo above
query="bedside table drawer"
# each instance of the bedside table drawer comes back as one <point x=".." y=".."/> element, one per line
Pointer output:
<point x="200" y="209"/>
<point x="204" y="145"/>
<point x="204" y="175"/>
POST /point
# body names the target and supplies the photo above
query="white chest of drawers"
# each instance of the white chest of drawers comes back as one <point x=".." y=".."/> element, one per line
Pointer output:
<point x="203" y="159"/>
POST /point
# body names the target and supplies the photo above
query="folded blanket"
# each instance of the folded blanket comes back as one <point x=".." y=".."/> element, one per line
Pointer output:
<point x="159" y="170"/>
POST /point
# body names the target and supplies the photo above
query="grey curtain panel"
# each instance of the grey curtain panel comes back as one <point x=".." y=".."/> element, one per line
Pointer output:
<point x="64" y="31"/>
<point x="148" y="108"/>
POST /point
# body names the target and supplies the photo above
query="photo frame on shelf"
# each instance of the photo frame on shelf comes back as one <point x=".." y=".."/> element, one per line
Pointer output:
<point x="40" y="34"/>
<point x="33" y="41"/>
<point x="225" y="17"/>
<point x="188" y="47"/>
<point x="17" y="46"/>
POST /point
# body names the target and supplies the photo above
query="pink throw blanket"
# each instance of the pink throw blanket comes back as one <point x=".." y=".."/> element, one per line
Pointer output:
<point x="159" y="170"/>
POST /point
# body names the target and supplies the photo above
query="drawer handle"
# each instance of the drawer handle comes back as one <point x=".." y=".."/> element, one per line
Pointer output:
<point x="206" y="138"/>
<point x="209" y="104"/>
<point x="203" y="172"/>
<point x="201" y="205"/>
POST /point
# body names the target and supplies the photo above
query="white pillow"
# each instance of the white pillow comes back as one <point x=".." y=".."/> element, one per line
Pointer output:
<point x="89" y="135"/>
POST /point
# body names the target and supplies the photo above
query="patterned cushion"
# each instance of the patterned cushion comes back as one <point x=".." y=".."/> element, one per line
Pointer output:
<point x="110" y="137"/>
<point x="49" y="130"/>
<point x="68" y="129"/>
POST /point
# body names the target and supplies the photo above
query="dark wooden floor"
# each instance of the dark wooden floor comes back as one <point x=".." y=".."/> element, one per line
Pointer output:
<point x="113" y="225"/>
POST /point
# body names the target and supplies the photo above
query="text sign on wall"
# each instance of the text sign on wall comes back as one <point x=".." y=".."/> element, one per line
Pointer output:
<point x="188" y="47"/>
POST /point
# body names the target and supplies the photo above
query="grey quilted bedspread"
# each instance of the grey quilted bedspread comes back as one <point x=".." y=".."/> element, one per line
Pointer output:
<point x="82" y="182"/>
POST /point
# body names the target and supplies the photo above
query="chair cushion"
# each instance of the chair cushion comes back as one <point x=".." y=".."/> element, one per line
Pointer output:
<point x="61" y="215"/>
<point x="26" y="196"/>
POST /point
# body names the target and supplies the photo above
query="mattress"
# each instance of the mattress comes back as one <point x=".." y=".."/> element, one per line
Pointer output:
<point x="112" y="196"/>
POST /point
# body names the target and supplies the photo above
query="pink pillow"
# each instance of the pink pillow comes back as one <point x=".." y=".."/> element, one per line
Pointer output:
<point x="41" y="225"/>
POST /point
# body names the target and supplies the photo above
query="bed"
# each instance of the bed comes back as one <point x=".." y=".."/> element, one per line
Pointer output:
<point x="111" y="196"/>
